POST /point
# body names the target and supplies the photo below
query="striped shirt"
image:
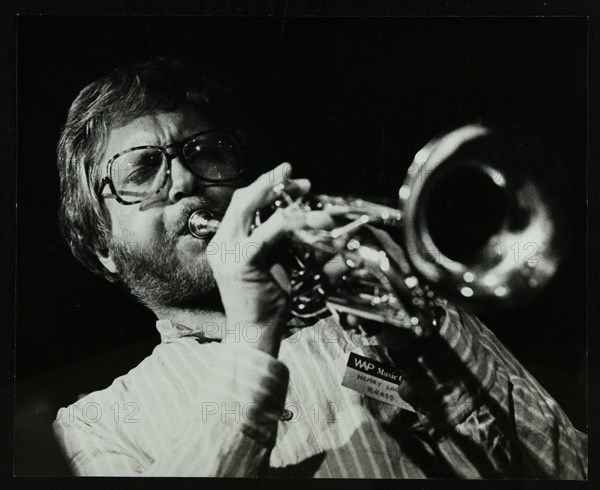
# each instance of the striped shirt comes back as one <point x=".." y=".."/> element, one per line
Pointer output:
<point x="200" y="407"/>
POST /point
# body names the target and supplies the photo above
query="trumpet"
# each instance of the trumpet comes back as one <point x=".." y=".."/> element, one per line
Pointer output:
<point x="399" y="259"/>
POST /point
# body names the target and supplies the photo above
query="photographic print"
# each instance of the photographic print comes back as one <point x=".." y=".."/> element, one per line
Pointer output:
<point x="302" y="246"/>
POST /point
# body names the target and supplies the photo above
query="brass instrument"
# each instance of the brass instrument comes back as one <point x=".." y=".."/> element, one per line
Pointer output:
<point x="523" y="240"/>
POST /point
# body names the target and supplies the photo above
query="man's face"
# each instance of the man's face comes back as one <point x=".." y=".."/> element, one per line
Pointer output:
<point x="151" y="249"/>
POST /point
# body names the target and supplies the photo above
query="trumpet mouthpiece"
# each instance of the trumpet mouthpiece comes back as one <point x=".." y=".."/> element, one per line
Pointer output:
<point x="202" y="223"/>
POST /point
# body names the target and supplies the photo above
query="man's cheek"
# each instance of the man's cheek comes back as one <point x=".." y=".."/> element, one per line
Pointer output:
<point x="145" y="230"/>
<point x="192" y="249"/>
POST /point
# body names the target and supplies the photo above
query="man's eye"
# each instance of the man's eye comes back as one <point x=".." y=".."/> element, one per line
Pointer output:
<point x="140" y="175"/>
<point x="151" y="160"/>
<point x="142" y="168"/>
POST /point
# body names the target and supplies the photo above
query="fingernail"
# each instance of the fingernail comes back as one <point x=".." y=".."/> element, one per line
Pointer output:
<point x="280" y="173"/>
<point x="303" y="184"/>
<point x="285" y="169"/>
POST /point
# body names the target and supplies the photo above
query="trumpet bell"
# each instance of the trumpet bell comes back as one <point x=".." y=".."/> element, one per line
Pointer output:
<point x="522" y="234"/>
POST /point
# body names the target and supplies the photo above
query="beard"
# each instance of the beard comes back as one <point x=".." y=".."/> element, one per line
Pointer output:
<point x="160" y="278"/>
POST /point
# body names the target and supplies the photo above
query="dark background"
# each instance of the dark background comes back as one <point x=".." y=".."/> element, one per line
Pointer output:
<point x="347" y="100"/>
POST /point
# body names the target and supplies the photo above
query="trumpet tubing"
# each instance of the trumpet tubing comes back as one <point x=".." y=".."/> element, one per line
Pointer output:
<point x="517" y="180"/>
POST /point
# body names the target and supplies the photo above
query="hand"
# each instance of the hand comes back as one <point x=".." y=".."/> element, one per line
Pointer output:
<point x="250" y="295"/>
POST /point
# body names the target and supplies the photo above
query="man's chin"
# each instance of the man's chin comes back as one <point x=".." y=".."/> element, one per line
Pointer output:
<point x="183" y="292"/>
<point x="167" y="278"/>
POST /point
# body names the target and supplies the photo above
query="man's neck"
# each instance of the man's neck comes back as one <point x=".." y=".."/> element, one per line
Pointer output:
<point x="194" y="318"/>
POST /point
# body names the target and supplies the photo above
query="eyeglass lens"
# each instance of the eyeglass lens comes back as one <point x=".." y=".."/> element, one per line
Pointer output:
<point x="140" y="173"/>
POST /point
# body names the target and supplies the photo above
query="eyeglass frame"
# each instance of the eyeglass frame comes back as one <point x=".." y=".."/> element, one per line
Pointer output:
<point x="169" y="156"/>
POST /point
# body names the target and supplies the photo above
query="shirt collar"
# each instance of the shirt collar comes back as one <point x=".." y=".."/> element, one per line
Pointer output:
<point x="212" y="328"/>
<point x="209" y="328"/>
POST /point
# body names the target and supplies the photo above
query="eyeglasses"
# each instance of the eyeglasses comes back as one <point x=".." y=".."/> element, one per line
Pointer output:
<point x="138" y="173"/>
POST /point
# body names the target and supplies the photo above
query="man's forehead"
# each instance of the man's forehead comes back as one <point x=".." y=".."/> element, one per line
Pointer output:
<point x="158" y="128"/>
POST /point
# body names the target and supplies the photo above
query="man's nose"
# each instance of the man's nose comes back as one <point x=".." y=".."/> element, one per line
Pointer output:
<point x="183" y="182"/>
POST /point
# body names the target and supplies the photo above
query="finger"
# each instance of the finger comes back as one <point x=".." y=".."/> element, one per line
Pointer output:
<point x="245" y="202"/>
<point x="290" y="219"/>
<point x="320" y="220"/>
<point x="260" y="193"/>
<point x="278" y="225"/>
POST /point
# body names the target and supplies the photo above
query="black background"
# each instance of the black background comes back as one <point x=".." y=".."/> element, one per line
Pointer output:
<point x="348" y="101"/>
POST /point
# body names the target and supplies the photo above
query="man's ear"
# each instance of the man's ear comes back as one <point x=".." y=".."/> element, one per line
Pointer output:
<point x="107" y="261"/>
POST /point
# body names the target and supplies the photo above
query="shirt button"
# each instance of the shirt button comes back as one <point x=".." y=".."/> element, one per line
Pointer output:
<point x="287" y="415"/>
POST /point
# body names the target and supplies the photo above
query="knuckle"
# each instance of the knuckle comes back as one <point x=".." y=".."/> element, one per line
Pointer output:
<point x="281" y="221"/>
<point x="293" y="218"/>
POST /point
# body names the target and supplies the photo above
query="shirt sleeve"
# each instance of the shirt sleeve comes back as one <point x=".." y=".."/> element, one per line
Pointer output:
<point x="483" y="413"/>
<point x="228" y="428"/>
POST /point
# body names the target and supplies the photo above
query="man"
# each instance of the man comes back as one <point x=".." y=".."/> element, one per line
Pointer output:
<point x="235" y="388"/>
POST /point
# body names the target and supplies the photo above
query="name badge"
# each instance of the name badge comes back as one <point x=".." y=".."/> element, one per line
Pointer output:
<point x="374" y="379"/>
